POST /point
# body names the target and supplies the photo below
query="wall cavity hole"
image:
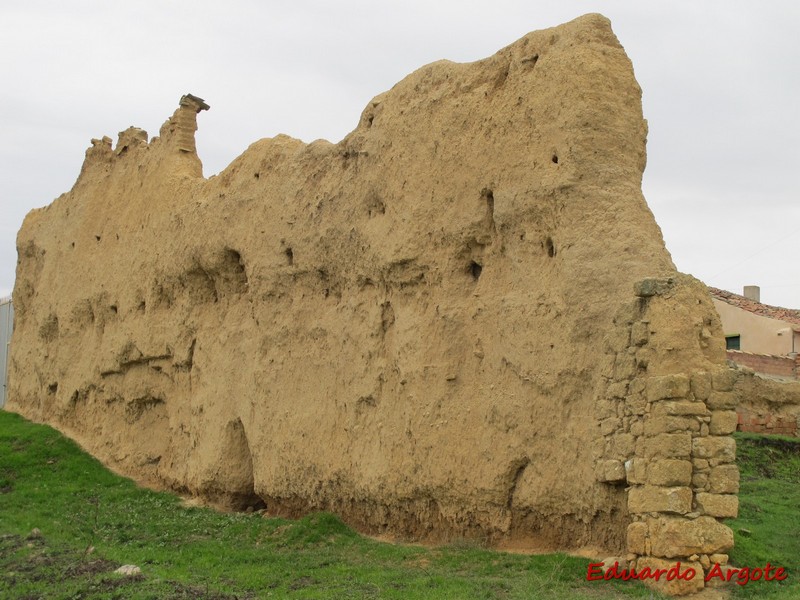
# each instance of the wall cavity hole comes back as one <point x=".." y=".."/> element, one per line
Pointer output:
<point x="97" y="237"/>
<point x="289" y="256"/>
<point x="488" y="195"/>
<point x="475" y="270"/>
<point x="114" y="308"/>
<point x="551" y="249"/>
<point x="52" y="388"/>
<point x="256" y="175"/>
<point x="555" y="159"/>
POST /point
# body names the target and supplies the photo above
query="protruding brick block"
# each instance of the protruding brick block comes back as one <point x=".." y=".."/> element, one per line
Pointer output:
<point x="651" y="498"/>
<point x="637" y="534"/>
<point x="610" y="471"/>
<point x="667" y="386"/>
<point x="714" y="447"/>
<point x="681" y="408"/>
<point x="724" y="380"/>
<point x="723" y="422"/>
<point x="670" y="472"/>
<point x="672" y="537"/>
<point x="701" y="385"/>
<point x="669" y="424"/>
<point x="668" y="445"/>
<point x="722" y="506"/>
<point x="622" y="446"/>
<point x="636" y="471"/>
<point x="721" y="401"/>
<point x="724" y="479"/>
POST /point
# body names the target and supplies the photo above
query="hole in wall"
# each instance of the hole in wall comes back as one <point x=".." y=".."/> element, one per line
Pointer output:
<point x="256" y="175"/>
<point x="231" y="274"/>
<point x="82" y="314"/>
<point x="240" y="485"/>
<point x="387" y="316"/>
<point x="53" y="388"/>
<point x="97" y="237"/>
<point x="48" y="330"/>
<point x="375" y="206"/>
<point x="114" y="308"/>
<point x="488" y="195"/>
<point x="531" y="60"/>
<point x="475" y="269"/>
<point x="289" y="256"/>
<point x="501" y="78"/>
<point x="555" y="159"/>
<point x="550" y="247"/>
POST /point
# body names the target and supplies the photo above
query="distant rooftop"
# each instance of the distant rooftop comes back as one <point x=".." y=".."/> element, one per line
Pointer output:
<point x="790" y="315"/>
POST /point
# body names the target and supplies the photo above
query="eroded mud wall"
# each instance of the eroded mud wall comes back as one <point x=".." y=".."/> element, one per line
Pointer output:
<point x="431" y="328"/>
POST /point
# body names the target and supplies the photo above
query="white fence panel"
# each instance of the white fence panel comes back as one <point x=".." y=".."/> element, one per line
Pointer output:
<point x="6" y="327"/>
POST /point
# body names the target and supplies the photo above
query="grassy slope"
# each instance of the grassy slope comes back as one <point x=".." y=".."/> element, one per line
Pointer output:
<point x="46" y="482"/>
<point x="768" y="527"/>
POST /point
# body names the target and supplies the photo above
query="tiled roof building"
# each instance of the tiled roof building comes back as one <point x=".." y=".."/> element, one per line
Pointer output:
<point x="790" y="315"/>
<point x="763" y="337"/>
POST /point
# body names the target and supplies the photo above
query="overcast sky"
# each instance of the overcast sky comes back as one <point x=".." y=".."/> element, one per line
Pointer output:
<point x="721" y="85"/>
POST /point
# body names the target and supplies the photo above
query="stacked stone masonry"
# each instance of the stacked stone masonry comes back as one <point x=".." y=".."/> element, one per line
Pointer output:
<point x="667" y="438"/>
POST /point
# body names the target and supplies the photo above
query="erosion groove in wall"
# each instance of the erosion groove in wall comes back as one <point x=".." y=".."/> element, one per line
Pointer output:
<point x="459" y="321"/>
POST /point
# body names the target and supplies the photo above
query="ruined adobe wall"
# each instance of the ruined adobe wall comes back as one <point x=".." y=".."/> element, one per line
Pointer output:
<point x="767" y="364"/>
<point x="440" y="327"/>
<point x="767" y="405"/>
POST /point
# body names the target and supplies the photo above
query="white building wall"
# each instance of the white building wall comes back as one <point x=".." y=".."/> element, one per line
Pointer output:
<point x="761" y="335"/>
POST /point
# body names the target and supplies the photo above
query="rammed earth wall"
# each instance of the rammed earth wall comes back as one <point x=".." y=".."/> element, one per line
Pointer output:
<point x="458" y="322"/>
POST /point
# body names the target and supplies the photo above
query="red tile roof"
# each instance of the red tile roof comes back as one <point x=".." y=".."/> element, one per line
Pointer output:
<point x="790" y="315"/>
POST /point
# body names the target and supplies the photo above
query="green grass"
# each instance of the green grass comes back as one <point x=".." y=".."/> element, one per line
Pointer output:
<point x="48" y="483"/>
<point x="768" y="527"/>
